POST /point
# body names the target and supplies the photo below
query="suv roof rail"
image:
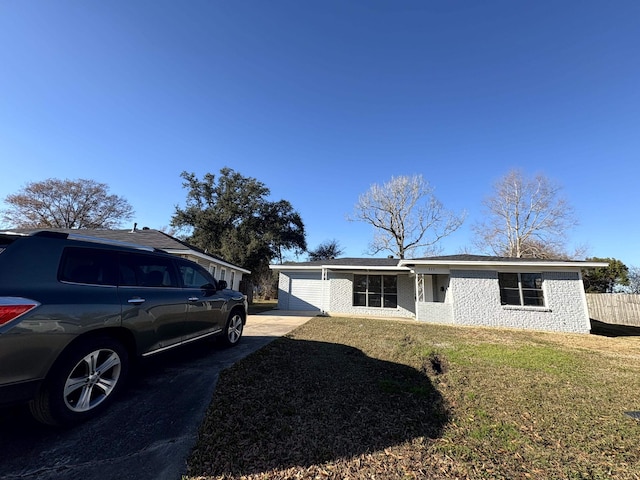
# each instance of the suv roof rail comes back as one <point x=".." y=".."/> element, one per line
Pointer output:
<point x="107" y="241"/>
<point x="37" y="233"/>
<point x="49" y="234"/>
<point x="83" y="238"/>
<point x="11" y="232"/>
<point x="34" y="233"/>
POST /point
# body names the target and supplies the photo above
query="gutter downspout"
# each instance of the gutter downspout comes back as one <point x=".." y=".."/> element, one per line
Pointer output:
<point x="415" y="294"/>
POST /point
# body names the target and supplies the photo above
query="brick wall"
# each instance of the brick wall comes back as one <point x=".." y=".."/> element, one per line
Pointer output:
<point x="342" y="298"/>
<point x="435" y="312"/>
<point x="476" y="301"/>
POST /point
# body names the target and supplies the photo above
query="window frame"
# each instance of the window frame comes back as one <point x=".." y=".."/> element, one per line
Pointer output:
<point x="210" y="280"/>
<point x="103" y="260"/>
<point x="522" y="288"/>
<point x="375" y="297"/>
<point x="139" y="262"/>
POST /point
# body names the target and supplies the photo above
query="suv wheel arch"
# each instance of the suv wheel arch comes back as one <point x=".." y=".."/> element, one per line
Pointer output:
<point x="83" y="381"/>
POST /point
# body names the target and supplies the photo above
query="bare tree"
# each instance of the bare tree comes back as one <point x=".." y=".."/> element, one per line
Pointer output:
<point x="406" y="215"/>
<point x="55" y="203"/>
<point x="525" y="217"/>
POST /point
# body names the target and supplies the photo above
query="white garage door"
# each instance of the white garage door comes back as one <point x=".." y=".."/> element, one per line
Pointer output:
<point x="305" y="291"/>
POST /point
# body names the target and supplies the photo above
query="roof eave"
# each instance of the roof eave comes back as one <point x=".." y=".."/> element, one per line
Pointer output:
<point x="499" y="263"/>
<point x="407" y="265"/>
<point x="341" y="267"/>
<point x="204" y="256"/>
<point x="368" y="267"/>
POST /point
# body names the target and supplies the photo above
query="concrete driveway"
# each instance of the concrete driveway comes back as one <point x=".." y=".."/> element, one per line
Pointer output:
<point x="149" y="432"/>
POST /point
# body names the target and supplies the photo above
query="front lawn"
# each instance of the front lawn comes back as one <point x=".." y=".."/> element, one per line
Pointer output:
<point x="362" y="398"/>
<point x="260" y="306"/>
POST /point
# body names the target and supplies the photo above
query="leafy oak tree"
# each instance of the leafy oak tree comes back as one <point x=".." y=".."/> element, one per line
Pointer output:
<point x="231" y="216"/>
<point x="55" y="203"/>
<point x="406" y="216"/>
<point x="525" y="217"/>
<point x="603" y="279"/>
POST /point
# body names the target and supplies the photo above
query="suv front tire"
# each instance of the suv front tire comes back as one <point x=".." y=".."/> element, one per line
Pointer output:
<point x="233" y="328"/>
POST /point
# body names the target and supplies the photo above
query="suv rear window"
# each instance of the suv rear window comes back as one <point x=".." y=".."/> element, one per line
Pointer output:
<point x="146" y="271"/>
<point x="91" y="266"/>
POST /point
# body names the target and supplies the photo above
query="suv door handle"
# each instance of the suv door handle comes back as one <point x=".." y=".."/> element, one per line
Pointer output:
<point x="193" y="299"/>
<point x="136" y="300"/>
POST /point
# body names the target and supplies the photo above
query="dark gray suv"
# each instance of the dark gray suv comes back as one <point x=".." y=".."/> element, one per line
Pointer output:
<point x="74" y="311"/>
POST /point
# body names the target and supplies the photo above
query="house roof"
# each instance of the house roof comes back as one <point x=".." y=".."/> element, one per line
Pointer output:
<point x="146" y="237"/>
<point x="460" y="261"/>
<point x="343" y="264"/>
<point x="363" y="262"/>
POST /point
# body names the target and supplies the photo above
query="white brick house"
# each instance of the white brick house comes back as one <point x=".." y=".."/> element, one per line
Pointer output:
<point x="457" y="289"/>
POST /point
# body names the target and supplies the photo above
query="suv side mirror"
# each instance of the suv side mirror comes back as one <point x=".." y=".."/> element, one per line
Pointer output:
<point x="222" y="285"/>
<point x="208" y="289"/>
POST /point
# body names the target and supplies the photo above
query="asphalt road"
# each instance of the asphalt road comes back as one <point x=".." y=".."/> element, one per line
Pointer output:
<point x="149" y="432"/>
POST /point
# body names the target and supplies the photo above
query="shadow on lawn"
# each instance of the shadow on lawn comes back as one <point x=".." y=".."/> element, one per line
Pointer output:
<point x="613" y="330"/>
<point x="298" y="403"/>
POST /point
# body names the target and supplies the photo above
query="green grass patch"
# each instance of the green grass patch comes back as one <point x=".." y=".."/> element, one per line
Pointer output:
<point x="533" y="358"/>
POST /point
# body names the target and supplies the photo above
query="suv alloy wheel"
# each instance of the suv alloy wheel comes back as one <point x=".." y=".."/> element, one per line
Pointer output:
<point x="83" y="382"/>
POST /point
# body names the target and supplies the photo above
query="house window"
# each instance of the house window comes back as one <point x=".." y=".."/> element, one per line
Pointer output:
<point x="521" y="289"/>
<point x="223" y="273"/>
<point x="378" y="291"/>
<point x="233" y="278"/>
<point x="212" y="270"/>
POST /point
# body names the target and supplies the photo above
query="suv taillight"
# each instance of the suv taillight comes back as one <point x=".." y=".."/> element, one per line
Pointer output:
<point x="12" y="307"/>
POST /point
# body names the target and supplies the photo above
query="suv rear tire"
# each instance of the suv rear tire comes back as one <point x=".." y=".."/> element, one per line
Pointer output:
<point x="82" y="383"/>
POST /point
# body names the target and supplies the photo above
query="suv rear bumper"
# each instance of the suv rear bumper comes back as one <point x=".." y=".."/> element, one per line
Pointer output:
<point x="18" y="392"/>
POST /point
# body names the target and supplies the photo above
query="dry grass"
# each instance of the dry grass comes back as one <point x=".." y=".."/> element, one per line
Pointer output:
<point x="361" y="398"/>
<point x="259" y="306"/>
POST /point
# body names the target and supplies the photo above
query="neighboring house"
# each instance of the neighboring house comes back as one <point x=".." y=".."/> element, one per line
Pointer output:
<point x="219" y="268"/>
<point x="457" y="289"/>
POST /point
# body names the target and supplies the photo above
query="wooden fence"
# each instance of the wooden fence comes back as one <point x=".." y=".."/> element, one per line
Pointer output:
<point x="616" y="308"/>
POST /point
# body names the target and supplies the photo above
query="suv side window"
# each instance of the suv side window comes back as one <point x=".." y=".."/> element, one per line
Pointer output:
<point x="146" y="271"/>
<point x="194" y="276"/>
<point x="88" y="266"/>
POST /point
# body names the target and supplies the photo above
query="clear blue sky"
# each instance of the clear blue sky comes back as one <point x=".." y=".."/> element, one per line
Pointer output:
<point x="319" y="99"/>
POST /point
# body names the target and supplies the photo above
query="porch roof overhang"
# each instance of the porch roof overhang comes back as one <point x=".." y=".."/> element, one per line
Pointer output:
<point x="351" y="268"/>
